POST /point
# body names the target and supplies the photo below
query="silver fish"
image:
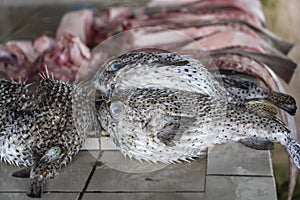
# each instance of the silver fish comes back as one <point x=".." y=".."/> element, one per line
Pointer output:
<point x="163" y="107"/>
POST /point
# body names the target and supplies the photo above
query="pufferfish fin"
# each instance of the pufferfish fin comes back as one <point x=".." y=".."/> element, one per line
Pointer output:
<point x="258" y="144"/>
<point x="169" y="132"/>
<point x="22" y="173"/>
<point x="265" y="110"/>
<point x="262" y="108"/>
<point x="52" y="154"/>
<point x="171" y="128"/>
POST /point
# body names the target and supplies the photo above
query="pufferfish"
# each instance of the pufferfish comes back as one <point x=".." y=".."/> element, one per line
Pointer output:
<point x="42" y="131"/>
<point x="164" y="107"/>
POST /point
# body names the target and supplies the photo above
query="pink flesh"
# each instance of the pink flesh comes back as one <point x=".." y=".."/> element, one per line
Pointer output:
<point x="196" y="16"/>
<point x="18" y="60"/>
<point x="43" y="43"/>
<point x="230" y="39"/>
<point x="22" y="49"/>
<point x="120" y="13"/>
<point x="254" y="6"/>
<point x="167" y="3"/>
<point x="65" y="58"/>
<point x="78" y="23"/>
<point x="110" y="22"/>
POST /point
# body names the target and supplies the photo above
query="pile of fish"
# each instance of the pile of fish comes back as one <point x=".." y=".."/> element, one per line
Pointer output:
<point x="163" y="107"/>
<point x="158" y="107"/>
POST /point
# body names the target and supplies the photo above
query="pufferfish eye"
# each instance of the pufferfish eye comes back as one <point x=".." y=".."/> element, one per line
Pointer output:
<point x="116" y="109"/>
<point x="115" y="66"/>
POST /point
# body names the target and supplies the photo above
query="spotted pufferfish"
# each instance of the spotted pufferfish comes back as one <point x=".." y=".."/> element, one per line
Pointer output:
<point x="164" y="107"/>
<point x="42" y="131"/>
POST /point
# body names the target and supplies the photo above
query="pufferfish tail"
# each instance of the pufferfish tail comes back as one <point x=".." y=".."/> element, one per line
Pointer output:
<point x="294" y="150"/>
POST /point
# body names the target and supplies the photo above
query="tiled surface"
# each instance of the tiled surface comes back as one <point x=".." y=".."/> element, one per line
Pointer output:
<point x="144" y="196"/>
<point x="240" y="188"/>
<point x="117" y="161"/>
<point x="9" y="183"/>
<point x="46" y="196"/>
<point x="71" y="178"/>
<point x="236" y="159"/>
<point x="75" y="175"/>
<point x="88" y="178"/>
<point x="177" y="177"/>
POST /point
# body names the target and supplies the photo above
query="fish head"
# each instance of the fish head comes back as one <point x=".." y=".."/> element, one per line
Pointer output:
<point x="107" y="71"/>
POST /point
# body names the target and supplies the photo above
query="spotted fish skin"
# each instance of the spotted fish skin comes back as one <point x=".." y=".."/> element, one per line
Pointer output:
<point x="144" y="69"/>
<point x="182" y="72"/>
<point x="176" y="113"/>
<point x="189" y="123"/>
<point x="13" y="94"/>
<point x="69" y="113"/>
<point x="48" y="133"/>
<point x="243" y="90"/>
<point x="15" y="97"/>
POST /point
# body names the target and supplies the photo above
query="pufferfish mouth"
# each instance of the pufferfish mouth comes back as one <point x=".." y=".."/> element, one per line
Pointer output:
<point x="36" y="189"/>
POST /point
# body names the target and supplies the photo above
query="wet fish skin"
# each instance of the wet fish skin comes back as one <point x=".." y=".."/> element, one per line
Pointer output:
<point x="15" y="98"/>
<point x="262" y="109"/>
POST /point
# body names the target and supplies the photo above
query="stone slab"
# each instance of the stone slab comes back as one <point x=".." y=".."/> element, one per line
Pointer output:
<point x="236" y="159"/>
<point x="174" y="177"/>
<point x="240" y="188"/>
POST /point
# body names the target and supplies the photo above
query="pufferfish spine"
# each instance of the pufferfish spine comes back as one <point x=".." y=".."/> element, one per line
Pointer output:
<point x="43" y="130"/>
<point x="62" y="132"/>
<point x="15" y="99"/>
